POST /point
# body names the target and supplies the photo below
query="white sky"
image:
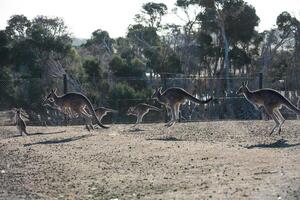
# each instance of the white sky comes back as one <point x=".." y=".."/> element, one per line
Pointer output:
<point x="114" y="16"/>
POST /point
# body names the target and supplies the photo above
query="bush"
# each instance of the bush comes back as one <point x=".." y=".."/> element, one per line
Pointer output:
<point x="122" y="96"/>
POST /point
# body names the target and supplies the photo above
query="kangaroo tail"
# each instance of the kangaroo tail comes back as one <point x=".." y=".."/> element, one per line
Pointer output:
<point x="290" y="106"/>
<point x="111" y="110"/>
<point x="92" y="110"/>
<point x="194" y="99"/>
<point x="154" y="108"/>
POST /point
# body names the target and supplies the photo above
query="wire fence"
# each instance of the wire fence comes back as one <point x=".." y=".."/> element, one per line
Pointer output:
<point x="28" y="93"/>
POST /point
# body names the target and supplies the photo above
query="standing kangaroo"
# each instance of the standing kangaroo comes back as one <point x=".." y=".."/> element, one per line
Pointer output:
<point x="140" y="111"/>
<point x="172" y="98"/>
<point x="271" y="100"/>
<point x="75" y="103"/>
<point x="101" y="112"/>
<point x="20" y="123"/>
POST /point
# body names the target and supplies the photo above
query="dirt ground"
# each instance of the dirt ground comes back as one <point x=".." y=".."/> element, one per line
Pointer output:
<point x="203" y="160"/>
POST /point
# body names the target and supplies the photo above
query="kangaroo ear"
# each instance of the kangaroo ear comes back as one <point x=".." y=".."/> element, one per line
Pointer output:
<point x="246" y="83"/>
<point x="54" y="90"/>
<point x="159" y="89"/>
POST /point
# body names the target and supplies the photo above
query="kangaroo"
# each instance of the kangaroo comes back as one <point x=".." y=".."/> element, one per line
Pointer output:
<point x="75" y="103"/>
<point x="140" y="111"/>
<point x="271" y="100"/>
<point x="101" y="112"/>
<point x="65" y="110"/>
<point x="172" y="98"/>
<point x="20" y="123"/>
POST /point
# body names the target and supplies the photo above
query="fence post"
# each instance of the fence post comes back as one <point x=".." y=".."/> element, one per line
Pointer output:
<point x="260" y="86"/>
<point x="65" y="84"/>
<point x="260" y="83"/>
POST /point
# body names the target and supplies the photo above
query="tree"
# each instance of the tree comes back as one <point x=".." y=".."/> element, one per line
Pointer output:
<point x="17" y="27"/>
<point x="133" y="70"/>
<point x="100" y="43"/>
<point x="290" y="25"/>
<point x="152" y="14"/>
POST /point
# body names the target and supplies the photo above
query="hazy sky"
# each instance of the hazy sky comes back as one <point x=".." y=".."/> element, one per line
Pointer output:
<point x="114" y="16"/>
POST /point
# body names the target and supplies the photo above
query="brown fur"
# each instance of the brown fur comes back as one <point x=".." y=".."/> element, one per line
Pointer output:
<point x="20" y="123"/>
<point x="140" y="111"/>
<point x="271" y="100"/>
<point x="102" y="111"/>
<point x="172" y="98"/>
<point x="75" y="103"/>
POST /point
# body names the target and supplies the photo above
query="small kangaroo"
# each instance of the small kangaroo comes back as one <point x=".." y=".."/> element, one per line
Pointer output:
<point x="73" y="102"/>
<point x="271" y="100"/>
<point x="172" y="98"/>
<point x="102" y="111"/>
<point x="140" y="110"/>
<point x="20" y="123"/>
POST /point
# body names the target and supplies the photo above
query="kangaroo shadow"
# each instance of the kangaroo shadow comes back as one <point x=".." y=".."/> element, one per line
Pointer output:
<point x="59" y="141"/>
<point x="167" y="139"/>
<point x="47" y="133"/>
<point x="278" y="144"/>
<point x="41" y="133"/>
<point x="136" y="130"/>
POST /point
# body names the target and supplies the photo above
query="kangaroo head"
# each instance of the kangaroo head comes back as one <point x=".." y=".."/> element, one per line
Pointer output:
<point x="243" y="88"/>
<point x="17" y="111"/>
<point x="50" y="98"/>
<point x="156" y="93"/>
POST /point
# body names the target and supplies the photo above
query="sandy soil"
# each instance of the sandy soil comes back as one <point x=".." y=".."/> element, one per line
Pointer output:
<point x="206" y="160"/>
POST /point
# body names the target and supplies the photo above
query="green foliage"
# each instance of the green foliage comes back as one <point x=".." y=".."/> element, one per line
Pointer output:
<point x="4" y="49"/>
<point x="7" y="89"/>
<point x="241" y="22"/>
<point x="154" y="11"/>
<point x="93" y="68"/>
<point x="17" y="27"/>
<point x="122" y="96"/>
<point x="100" y="42"/>
<point x="131" y="69"/>
<point x="239" y="57"/>
<point x="26" y="46"/>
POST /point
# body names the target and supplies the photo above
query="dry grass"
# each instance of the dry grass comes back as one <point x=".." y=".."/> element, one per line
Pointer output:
<point x="208" y="160"/>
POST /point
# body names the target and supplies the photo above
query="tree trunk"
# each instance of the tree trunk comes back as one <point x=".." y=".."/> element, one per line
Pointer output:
<point x="226" y="67"/>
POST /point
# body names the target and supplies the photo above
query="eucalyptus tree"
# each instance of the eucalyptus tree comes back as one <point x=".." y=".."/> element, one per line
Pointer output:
<point x="285" y="36"/>
<point x="145" y="38"/>
<point x="290" y="26"/>
<point x="33" y="44"/>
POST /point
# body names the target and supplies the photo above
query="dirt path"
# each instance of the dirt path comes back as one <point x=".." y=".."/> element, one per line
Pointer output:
<point x="207" y="160"/>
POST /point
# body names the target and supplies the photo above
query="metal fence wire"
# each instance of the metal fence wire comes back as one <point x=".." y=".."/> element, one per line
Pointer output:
<point x="28" y="94"/>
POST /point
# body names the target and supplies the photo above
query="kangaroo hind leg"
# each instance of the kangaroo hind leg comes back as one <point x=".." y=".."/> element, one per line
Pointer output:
<point x="88" y="119"/>
<point x="280" y="118"/>
<point x="270" y="112"/>
<point x="173" y="119"/>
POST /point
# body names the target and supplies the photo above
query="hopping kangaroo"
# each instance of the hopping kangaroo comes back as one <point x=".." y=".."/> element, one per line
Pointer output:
<point x="101" y="112"/>
<point x="271" y="100"/>
<point x="140" y="111"/>
<point x="73" y="102"/>
<point x="20" y="122"/>
<point x="172" y="98"/>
